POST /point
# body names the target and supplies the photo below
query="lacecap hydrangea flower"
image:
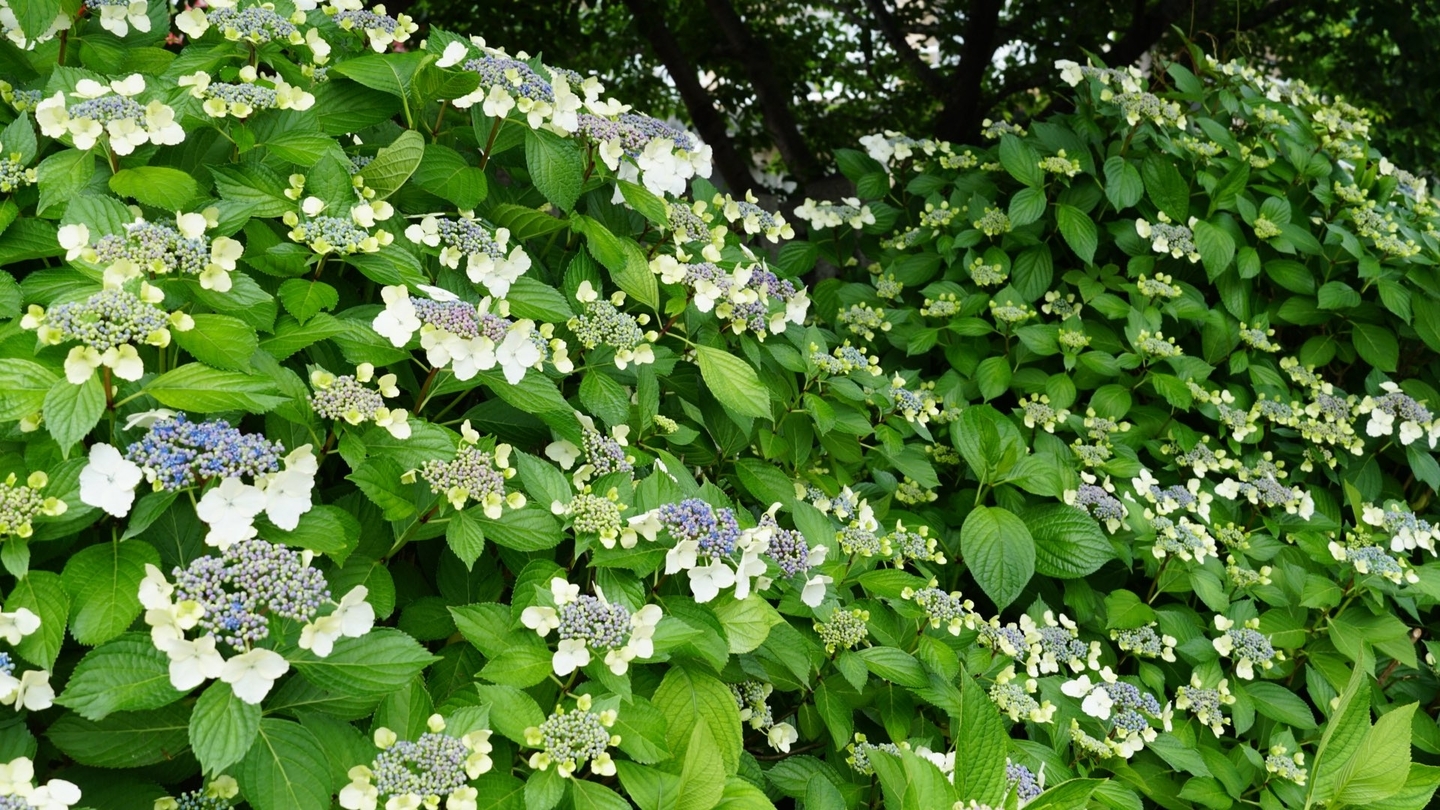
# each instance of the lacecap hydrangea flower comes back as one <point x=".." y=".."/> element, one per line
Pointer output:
<point x="229" y="600"/>
<point x="569" y="739"/>
<point x="21" y="503"/>
<point x="474" y="474"/>
<point x="18" y="791"/>
<point x="347" y="397"/>
<point x="109" y="111"/>
<point x="489" y="257"/>
<point x="586" y="623"/>
<point x="110" y="326"/>
<point x="410" y="774"/>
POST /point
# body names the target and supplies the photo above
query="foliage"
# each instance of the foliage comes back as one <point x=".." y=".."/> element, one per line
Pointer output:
<point x="411" y="437"/>
<point x="939" y="69"/>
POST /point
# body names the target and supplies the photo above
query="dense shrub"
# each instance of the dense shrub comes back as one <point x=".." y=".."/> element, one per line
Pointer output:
<point x="414" y="440"/>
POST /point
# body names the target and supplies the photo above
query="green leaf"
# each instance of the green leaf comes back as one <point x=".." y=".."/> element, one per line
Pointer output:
<point x="702" y="773"/>
<point x="1078" y="230"/>
<point x="124" y="739"/>
<point x="329" y="530"/>
<point x="1379" y="767"/>
<point x="689" y="698"/>
<point x="1066" y="795"/>
<point x="24" y="385"/>
<point x="980" y="744"/>
<point x="72" y="411"/>
<point x="1166" y="186"/>
<point x="557" y="167"/>
<point x="379" y="479"/>
<point x="895" y="665"/>
<point x="222" y="728"/>
<point x="160" y="186"/>
<point x="1377" y="346"/>
<point x="465" y="537"/>
<point x="43" y="594"/>
<point x="393" y="165"/>
<point x="220" y="341"/>
<point x="511" y="711"/>
<point x="587" y="795"/>
<point x="627" y="265"/>
<point x="532" y="528"/>
<point x="389" y="73"/>
<point x="1021" y="161"/>
<point x="1124" y="611"/>
<point x="521" y="666"/>
<point x="1278" y="703"/>
<point x="747" y="622"/>
<point x="603" y="397"/>
<point x="999" y="552"/>
<point x="641" y="199"/>
<point x="285" y="769"/>
<point x="377" y="663"/>
<point x="1123" y="187"/>
<point x="733" y="382"/>
<point x="1068" y="543"/>
<point x="1216" y="247"/>
<point x="103" y="582"/>
<point x="1348" y="724"/>
<point x="195" y="387"/>
<point x="126" y="674"/>
<point x="61" y="176"/>
<point x="1027" y="206"/>
<point x="444" y="173"/>
<point x="303" y="298"/>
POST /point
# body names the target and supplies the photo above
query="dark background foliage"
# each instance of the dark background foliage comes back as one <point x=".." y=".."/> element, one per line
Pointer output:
<point x="786" y="82"/>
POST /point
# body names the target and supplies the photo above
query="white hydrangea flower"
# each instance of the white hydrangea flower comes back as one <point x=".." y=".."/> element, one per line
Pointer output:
<point x="108" y="481"/>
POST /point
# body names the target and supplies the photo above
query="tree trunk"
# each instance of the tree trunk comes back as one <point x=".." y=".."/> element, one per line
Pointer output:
<point x="733" y="167"/>
<point x="960" y="115"/>
<point x="772" y="91"/>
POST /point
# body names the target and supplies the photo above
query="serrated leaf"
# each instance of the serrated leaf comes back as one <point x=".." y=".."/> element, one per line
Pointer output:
<point x="688" y="698"/>
<point x="999" y="552"/>
<point x="1378" y="768"/>
<point x="373" y="664"/>
<point x="42" y="593"/>
<point x="124" y="739"/>
<point x="1123" y="187"/>
<point x="1078" y="230"/>
<point x="220" y="341"/>
<point x="24" y="385"/>
<point x="733" y="382"/>
<point x="1166" y="186"/>
<point x="304" y="298"/>
<point x="103" y="583"/>
<point x="394" y="164"/>
<point x="1377" y="346"/>
<point x="557" y="167"/>
<point x="160" y="186"/>
<point x="195" y="387"/>
<point x="285" y="769"/>
<point x="127" y="674"/>
<point x="61" y="176"/>
<point x="1068" y="543"/>
<point x="465" y="537"/>
<point x="72" y="411"/>
<point x="222" y="727"/>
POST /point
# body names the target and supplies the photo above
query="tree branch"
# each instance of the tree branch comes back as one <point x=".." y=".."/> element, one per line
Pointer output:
<point x="772" y="92"/>
<point x="959" y="118"/>
<point x="650" y="20"/>
<point x="886" y="23"/>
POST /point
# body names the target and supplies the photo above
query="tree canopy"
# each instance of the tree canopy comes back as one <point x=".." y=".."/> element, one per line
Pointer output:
<point x="787" y="83"/>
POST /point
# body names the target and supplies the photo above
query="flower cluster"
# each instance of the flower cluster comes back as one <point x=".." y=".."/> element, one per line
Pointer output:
<point x="152" y="249"/>
<point x="1207" y="703"/>
<point x="752" y="218"/>
<point x="380" y="29"/>
<point x="468" y="338"/>
<point x="1176" y="240"/>
<point x="1127" y="710"/>
<point x="111" y="111"/>
<point x="253" y="93"/>
<point x="20" y="504"/>
<point x="13" y="173"/>
<point x="216" y="795"/>
<point x="110" y="326"/>
<point x="344" y="235"/>
<point x="586" y="623"/>
<point x="849" y="211"/>
<point x="602" y="323"/>
<point x="662" y="157"/>
<point x="750" y="297"/>
<point x="844" y="630"/>
<point x="603" y="453"/>
<point x="230" y="600"/>
<point x="348" y="397"/>
<point x="410" y="774"/>
<point x="489" y="258"/>
<point x="1246" y="645"/>
<point x="750" y="700"/>
<point x="568" y="740"/>
<point x="474" y="474"/>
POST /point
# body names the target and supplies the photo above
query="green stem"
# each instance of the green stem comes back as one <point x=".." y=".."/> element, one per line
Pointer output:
<point x="490" y="142"/>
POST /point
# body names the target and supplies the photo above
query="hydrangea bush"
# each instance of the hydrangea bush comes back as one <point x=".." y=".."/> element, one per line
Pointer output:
<point x="398" y="423"/>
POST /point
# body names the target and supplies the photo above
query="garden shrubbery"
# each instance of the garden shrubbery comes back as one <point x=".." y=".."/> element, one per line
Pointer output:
<point x="385" y="424"/>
